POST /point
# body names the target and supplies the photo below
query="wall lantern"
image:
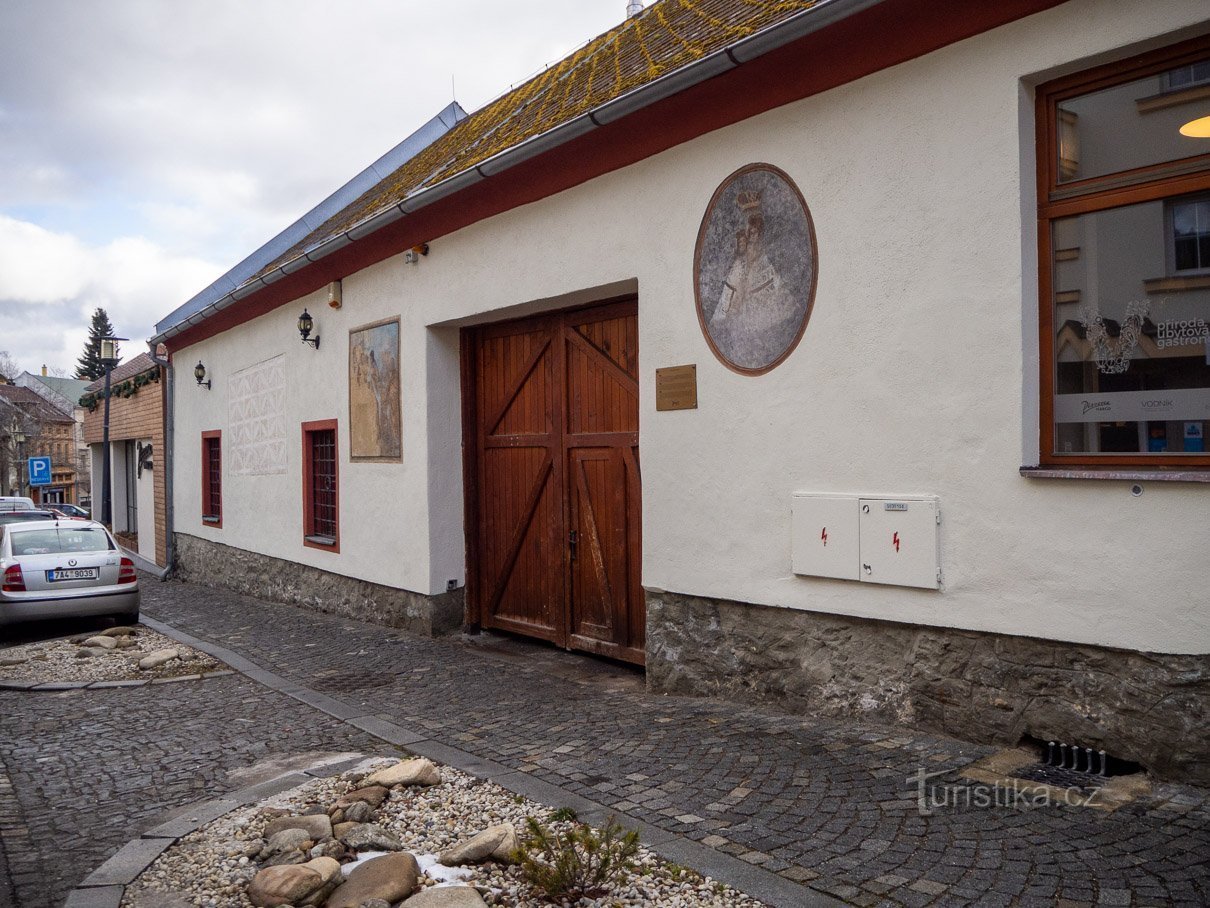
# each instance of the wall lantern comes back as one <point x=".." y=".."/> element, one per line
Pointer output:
<point x="305" y="324"/>
<point x="199" y="372"/>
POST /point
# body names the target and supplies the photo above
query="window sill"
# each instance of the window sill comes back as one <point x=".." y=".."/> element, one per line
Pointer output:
<point x="328" y="542"/>
<point x="212" y="521"/>
<point x="1177" y="284"/>
<point x="1119" y="474"/>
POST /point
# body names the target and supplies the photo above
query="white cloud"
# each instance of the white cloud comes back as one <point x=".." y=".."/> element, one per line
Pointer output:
<point x="51" y="282"/>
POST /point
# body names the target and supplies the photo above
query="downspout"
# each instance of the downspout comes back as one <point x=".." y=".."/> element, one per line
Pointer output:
<point x="169" y="410"/>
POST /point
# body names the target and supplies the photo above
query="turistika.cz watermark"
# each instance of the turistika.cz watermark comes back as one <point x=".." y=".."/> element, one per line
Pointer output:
<point x="933" y="796"/>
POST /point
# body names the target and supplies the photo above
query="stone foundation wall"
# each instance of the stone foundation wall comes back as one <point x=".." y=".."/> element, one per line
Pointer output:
<point x="202" y="561"/>
<point x="1150" y="708"/>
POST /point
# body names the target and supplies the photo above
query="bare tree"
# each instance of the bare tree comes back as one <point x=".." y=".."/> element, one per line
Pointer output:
<point x="8" y="366"/>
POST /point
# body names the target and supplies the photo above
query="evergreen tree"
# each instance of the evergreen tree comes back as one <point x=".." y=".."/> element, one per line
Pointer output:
<point x="89" y="365"/>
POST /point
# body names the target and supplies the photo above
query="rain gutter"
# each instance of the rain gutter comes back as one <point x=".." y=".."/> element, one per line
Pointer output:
<point x="813" y="19"/>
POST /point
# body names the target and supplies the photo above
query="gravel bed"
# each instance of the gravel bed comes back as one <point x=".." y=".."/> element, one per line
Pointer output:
<point x="61" y="660"/>
<point x="211" y="868"/>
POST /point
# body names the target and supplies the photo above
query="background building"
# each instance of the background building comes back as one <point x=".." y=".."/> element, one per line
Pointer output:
<point x="136" y="443"/>
<point x="64" y="395"/>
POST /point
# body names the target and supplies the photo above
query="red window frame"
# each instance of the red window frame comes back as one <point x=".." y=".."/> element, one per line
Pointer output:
<point x="321" y="466"/>
<point x="212" y="478"/>
<point x="1057" y="200"/>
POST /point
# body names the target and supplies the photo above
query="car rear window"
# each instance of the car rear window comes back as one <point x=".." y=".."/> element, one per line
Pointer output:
<point x="61" y="539"/>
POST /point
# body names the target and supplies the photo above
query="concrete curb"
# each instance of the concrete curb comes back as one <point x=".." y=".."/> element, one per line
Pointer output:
<point x="105" y="886"/>
<point x="772" y="889"/>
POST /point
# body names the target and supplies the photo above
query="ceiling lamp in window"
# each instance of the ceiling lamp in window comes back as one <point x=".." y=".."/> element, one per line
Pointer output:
<point x="1197" y="129"/>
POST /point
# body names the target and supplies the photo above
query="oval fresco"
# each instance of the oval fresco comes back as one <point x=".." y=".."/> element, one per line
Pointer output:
<point x="755" y="269"/>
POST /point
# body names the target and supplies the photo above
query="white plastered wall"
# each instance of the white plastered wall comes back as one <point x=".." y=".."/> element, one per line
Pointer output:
<point x="916" y="374"/>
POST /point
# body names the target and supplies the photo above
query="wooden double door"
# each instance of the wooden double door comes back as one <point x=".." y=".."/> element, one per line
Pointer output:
<point x="553" y="501"/>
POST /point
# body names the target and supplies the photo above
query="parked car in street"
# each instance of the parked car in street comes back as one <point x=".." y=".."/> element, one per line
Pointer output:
<point x="26" y="514"/>
<point x="64" y="569"/>
<point x="59" y="510"/>
<point x="72" y="510"/>
<point x="15" y="503"/>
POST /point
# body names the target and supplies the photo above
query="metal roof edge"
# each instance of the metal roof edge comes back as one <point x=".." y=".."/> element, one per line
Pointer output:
<point x="233" y="279"/>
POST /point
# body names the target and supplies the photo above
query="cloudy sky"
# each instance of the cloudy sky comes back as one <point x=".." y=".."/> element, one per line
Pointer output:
<point x="146" y="146"/>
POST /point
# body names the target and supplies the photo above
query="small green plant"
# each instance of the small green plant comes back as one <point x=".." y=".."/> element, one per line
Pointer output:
<point x="563" y="815"/>
<point x="579" y="862"/>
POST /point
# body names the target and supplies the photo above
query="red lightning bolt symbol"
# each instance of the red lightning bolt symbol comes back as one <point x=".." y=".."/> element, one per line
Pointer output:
<point x="824" y="536"/>
<point x="896" y="541"/>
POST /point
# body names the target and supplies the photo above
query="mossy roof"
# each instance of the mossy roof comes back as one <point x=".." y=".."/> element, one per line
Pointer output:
<point x="665" y="37"/>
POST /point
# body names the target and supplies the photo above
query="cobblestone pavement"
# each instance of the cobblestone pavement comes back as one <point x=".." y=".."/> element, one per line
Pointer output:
<point x="825" y="803"/>
<point x="84" y="771"/>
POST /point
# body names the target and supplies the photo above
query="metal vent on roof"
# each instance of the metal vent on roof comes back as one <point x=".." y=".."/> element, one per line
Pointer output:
<point x="633" y="8"/>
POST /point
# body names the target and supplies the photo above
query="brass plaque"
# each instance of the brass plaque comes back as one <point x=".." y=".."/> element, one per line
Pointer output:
<point x="676" y="388"/>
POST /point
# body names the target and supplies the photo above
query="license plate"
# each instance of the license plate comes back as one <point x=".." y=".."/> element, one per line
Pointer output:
<point x="72" y="574"/>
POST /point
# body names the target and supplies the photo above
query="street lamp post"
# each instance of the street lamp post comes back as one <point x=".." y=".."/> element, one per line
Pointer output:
<point x="109" y="356"/>
<point x="19" y="438"/>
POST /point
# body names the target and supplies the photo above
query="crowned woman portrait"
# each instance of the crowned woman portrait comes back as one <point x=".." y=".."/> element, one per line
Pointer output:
<point x="753" y="298"/>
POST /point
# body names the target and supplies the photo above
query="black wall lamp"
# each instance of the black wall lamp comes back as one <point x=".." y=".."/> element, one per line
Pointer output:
<point x="305" y="324"/>
<point x="199" y="372"/>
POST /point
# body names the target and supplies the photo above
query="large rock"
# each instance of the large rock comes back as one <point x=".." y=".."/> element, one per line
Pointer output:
<point x="498" y="842"/>
<point x="329" y="870"/>
<point x="446" y="897"/>
<point x="371" y="837"/>
<point x="101" y="642"/>
<point x="122" y="631"/>
<point x="390" y="877"/>
<point x="373" y="795"/>
<point x="316" y="825"/>
<point x="406" y="772"/>
<point x="284" y="885"/>
<point x="158" y="658"/>
<point x="88" y="652"/>
<point x="361" y="812"/>
<point x="284" y="841"/>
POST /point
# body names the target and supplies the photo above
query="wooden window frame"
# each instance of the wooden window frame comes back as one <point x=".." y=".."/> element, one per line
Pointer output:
<point x="214" y="522"/>
<point x="1155" y="182"/>
<point x="310" y="538"/>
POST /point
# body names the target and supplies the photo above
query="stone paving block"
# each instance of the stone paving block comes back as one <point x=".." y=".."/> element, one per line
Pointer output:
<point x="102" y="685"/>
<point x="388" y="731"/>
<point x="267" y="789"/>
<point x="99" y="897"/>
<point x="6" y="684"/>
<point x="130" y="860"/>
<point x="194" y="818"/>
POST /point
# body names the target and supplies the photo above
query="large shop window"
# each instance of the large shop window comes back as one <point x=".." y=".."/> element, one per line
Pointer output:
<point x="212" y="479"/>
<point x="321" y="527"/>
<point x="1124" y="247"/>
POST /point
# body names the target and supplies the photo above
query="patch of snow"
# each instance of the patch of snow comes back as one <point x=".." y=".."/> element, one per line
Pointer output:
<point x="445" y="876"/>
<point x="346" y="869"/>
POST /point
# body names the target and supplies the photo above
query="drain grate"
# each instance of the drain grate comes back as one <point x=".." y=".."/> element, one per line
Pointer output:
<point x="1072" y="766"/>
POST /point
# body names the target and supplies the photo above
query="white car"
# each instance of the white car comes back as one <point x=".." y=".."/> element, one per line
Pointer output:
<point x="64" y="569"/>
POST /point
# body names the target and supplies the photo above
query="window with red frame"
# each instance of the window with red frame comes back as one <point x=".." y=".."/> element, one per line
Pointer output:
<point x="212" y="479"/>
<point x="1124" y="254"/>
<point x="320" y="485"/>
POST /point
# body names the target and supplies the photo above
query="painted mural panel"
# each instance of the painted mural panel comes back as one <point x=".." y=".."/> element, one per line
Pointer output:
<point x="755" y="269"/>
<point x="257" y="421"/>
<point x="375" y="422"/>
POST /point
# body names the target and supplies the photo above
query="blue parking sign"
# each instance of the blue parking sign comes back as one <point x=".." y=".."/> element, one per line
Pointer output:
<point x="39" y="471"/>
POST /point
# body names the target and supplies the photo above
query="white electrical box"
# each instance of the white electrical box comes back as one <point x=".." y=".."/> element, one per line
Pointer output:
<point x="895" y="541"/>
<point x="824" y="536"/>
<point x="899" y="542"/>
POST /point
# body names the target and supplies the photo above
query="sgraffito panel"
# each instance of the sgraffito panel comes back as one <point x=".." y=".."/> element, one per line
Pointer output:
<point x="256" y="419"/>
